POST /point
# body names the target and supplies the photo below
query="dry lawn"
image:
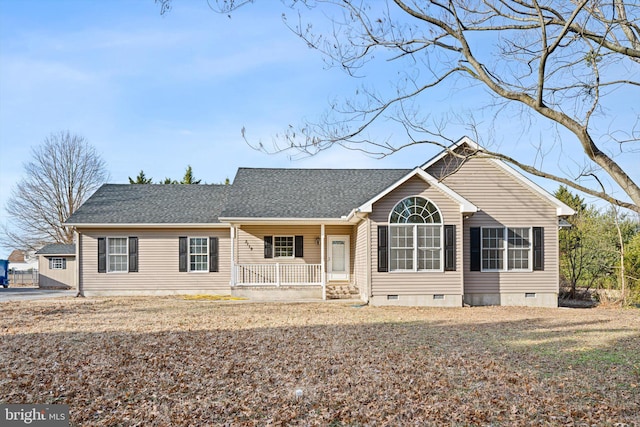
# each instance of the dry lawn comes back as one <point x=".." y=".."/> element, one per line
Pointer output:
<point x="178" y="362"/>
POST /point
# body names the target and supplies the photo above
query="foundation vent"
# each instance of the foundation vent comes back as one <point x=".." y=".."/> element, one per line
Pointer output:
<point x="438" y="296"/>
<point x="392" y="297"/>
<point x="530" y="295"/>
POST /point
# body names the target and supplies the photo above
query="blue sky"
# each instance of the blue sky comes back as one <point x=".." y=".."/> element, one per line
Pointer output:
<point x="159" y="93"/>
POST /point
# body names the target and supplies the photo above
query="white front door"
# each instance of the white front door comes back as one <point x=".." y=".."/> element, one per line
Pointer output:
<point x="338" y="258"/>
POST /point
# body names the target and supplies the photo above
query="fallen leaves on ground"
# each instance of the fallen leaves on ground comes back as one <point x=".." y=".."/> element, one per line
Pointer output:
<point x="206" y="297"/>
<point x="171" y="361"/>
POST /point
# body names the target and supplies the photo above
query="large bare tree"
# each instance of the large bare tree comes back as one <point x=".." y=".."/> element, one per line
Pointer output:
<point x="63" y="172"/>
<point x="557" y="61"/>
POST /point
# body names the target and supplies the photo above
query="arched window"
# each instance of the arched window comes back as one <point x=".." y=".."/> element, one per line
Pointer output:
<point x="415" y="228"/>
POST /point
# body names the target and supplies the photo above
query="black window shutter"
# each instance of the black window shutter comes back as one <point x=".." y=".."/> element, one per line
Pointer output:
<point x="50" y="263"/>
<point x="102" y="255"/>
<point x="474" y="244"/>
<point x="299" y="246"/>
<point x="64" y="263"/>
<point x="268" y="246"/>
<point x="383" y="248"/>
<point x="213" y="254"/>
<point x="450" y="248"/>
<point x="183" y="250"/>
<point x="538" y="248"/>
<point x="133" y="254"/>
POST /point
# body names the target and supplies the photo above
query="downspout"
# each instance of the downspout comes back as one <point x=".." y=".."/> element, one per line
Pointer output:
<point x="78" y="275"/>
<point x="232" y="279"/>
<point x="323" y="273"/>
<point x="368" y="290"/>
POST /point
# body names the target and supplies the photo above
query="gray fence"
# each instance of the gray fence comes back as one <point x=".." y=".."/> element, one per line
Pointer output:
<point x="23" y="277"/>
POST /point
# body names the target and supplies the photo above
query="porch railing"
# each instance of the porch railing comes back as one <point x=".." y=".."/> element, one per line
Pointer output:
<point x="277" y="274"/>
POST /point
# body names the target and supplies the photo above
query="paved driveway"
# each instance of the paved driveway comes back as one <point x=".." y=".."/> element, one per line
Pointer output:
<point x="29" y="294"/>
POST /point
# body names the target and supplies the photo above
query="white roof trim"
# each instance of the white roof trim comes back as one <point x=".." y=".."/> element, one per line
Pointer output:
<point x="465" y="205"/>
<point x="561" y="208"/>
<point x="144" y="225"/>
<point x="288" y="221"/>
<point x="464" y="140"/>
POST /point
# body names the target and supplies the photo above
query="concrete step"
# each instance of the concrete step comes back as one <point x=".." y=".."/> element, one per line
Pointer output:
<point x="342" y="291"/>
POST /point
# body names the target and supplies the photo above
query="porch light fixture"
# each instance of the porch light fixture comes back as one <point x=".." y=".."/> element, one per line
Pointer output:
<point x="317" y="241"/>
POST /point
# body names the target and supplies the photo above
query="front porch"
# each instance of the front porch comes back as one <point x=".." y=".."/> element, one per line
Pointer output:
<point x="277" y="275"/>
<point x="286" y="282"/>
<point x="285" y="262"/>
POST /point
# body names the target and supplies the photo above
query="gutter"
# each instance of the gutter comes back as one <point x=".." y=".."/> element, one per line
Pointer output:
<point x="80" y="293"/>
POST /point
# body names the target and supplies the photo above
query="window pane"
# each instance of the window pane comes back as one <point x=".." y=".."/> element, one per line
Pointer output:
<point x="492" y="248"/>
<point x="56" y="263"/>
<point x="518" y="238"/>
<point x="401" y="247"/>
<point x="429" y="259"/>
<point x="429" y="247"/>
<point x="117" y="250"/>
<point x="415" y="210"/>
<point x="518" y="259"/>
<point x="428" y="236"/>
<point x="402" y="236"/>
<point x="518" y="249"/>
<point x="401" y="259"/>
<point x="338" y="252"/>
<point x="198" y="254"/>
<point x="283" y="246"/>
<point x="118" y="246"/>
<point x="492" y="259"/>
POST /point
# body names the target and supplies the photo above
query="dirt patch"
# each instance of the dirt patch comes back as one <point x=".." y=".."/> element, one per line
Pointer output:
<point x="171" y="361"/>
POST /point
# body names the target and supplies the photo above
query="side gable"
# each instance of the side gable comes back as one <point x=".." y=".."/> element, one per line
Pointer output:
<point x="157" y="205"/>
<point x="435" y="165"/>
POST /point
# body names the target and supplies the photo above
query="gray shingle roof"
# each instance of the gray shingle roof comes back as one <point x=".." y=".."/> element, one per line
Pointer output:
<point x="305" y="193"/>
<point x="152" y="204"/>
<point x="57" y="249"/>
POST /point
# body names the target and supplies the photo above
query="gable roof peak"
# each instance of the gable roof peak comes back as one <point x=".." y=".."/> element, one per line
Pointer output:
<point x="465" y="205"/>
<point x="561" y="208"/>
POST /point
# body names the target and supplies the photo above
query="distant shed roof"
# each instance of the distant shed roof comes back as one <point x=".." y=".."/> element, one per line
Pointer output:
<point x="152" y="204"/>
<point x="57" y="249"/>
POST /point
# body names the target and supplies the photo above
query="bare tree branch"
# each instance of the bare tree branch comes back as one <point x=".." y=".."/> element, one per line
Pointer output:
<point x="562" y="61"/>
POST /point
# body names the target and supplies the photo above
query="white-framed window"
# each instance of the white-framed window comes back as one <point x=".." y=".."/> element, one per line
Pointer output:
<point x="117" y="254"/>
<point x="518" y="248"/>
<point x="415" y="234"/>
<point x="503" y="243"/>
<point x="57" y="264"/>
<point x="283" y="246"/>
<point x="198" y="254"/>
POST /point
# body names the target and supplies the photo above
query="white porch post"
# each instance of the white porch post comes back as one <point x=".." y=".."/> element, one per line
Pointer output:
<point x="322" y="263"/>
<point x="233" y="255"/>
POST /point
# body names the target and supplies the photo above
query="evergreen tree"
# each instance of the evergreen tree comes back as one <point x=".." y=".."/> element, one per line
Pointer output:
<point x="141" y="179"/>
<point x="189" y="178"/>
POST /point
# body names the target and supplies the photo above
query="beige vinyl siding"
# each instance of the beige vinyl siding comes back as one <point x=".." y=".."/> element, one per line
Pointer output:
<point x="57" y="277"/>
<point x="361" y="258"/>
<point x="416" y="283"/>
<point x="250" y="243"/>
<point x="157" y="262"/>
<point x="503" y="202"/>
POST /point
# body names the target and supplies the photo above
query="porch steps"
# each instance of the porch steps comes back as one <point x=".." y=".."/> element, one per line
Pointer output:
<point x="342" y="291"/>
